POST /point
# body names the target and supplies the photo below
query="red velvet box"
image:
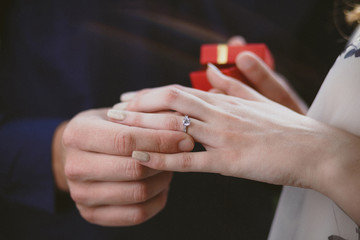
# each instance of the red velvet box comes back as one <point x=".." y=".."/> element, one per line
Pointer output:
<point x="223" y="56"/>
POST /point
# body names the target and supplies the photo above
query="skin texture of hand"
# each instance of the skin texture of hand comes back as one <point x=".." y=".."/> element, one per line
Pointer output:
<point x="263" y="79"/>
<point x="235" y="132"/>
<point x="93" y="161"/>
<point x="251" y="137"/>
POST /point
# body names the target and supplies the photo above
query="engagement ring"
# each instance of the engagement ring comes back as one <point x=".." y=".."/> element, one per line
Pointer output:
<point x="186" y="122"/>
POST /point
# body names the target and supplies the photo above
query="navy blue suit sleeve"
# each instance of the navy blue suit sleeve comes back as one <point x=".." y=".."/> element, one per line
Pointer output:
<point x="25" y="157"/>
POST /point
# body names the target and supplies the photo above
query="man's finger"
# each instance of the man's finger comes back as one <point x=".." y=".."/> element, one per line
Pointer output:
<point x="127" y="215"/>
<point x="94" y="133"/>
<point x="99" y="193"/>
<point x="91" y="166"/>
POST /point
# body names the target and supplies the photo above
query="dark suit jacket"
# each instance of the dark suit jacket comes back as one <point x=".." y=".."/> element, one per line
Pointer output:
<point x="61" y="57"/>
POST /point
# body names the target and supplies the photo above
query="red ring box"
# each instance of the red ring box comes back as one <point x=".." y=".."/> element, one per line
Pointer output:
<point x="223" y="56"/>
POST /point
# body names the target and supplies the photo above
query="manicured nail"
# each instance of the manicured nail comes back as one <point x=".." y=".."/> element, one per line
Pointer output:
<point x="125" y="97"/>
<point x="141" y="156"/>
<point x="245" y="61"/>
<point x="120" y="106"/>
<point x="186" y="145"/>
<point x="214" y="68"/>
<point x="116" y="114"/>
<point x="237" y="41"/>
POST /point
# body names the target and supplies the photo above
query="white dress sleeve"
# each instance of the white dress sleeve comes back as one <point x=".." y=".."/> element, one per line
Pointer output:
<point x="306" y="214"/>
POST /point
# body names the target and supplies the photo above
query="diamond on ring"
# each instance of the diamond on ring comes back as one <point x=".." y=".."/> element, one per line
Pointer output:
<point x="186" y="122"/>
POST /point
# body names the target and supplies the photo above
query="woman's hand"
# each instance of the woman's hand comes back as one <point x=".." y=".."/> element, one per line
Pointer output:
<point x="250" y="137"/>
<point x="262" y="78"/>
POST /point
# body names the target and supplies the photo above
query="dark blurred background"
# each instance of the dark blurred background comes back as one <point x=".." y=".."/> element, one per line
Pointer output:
<point x="77" y="55"/>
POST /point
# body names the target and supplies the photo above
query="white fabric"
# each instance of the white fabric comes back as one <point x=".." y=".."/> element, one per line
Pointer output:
<point x="306" y="214"/>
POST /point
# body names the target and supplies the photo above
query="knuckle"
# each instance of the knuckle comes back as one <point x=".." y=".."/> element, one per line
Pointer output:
<point x="137" y="102"/>
<point x="137" y="120"/>
<point x="186" y="161"/>
<point x="172" y="123"/>
<point x="177" y="86"/>
<point x="124" y="143"/>
<point x="71" y="170"/>
<point x="134" y="170"/>
<point x="160" y="163"/>
<point x="78" y="195"/>
<point x="69" y="136"/>
<point x="139" y="215"/>
<point x="88" y="214"/>
<point x="228" y="137"/>
<point x="172" y="94"/>
<point x="167" y="143"/>
<point x="143" y="91"/>
<point x="140" y="192"/>
<point x="159" y="143"/>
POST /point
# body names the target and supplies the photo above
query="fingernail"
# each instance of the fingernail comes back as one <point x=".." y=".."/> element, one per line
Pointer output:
<point x="127" y="96"/>
<point x="237" y="41"/>
<point x="141" y="156"/>
<point x="186" y="145"/>
<point x="214" y="68"/>
<point x="245" y="62"/>
<point x="120" y="106"/>
<point x="116" y="114"/>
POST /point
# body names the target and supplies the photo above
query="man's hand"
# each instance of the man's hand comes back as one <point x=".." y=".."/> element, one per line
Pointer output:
<point x="93" y="161"/>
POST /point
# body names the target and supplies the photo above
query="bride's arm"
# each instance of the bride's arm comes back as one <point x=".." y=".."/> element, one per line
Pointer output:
<point x="253" y="138"/>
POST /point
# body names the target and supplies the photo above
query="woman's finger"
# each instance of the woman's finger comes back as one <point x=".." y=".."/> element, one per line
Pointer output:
<point x="161" y="121"/>
<point x="128" y="96"/>
<point x="236" y="41"/>
<point x="180" y="162"/>
<point x="215" y="90"/>
<point x="173" y="99"/>
<point x="267" y="82"/>
<point x="231" y="86"/>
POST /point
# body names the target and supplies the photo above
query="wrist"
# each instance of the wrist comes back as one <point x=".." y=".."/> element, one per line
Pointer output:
<point x="340" y="171"/>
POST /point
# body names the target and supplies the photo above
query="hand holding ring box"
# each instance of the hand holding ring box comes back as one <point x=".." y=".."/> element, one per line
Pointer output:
<point x="223" y="56"/>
